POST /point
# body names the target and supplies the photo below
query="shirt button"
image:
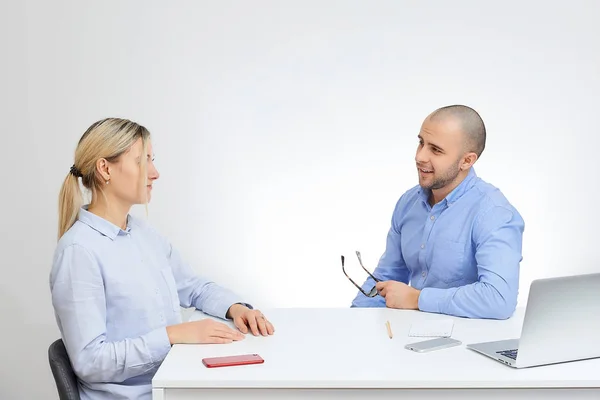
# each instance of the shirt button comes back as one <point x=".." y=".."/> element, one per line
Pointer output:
<point x="432" y="217"/>
<point x="423" y="274"/>
<point x="423" y="246"/>
<point x="156" y="291"/>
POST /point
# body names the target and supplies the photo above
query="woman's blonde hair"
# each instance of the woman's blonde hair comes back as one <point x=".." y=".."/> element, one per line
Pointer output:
<point x="106" y="139"/>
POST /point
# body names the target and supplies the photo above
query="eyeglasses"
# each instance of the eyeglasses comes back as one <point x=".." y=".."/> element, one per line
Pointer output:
<point x="373" y="291"/>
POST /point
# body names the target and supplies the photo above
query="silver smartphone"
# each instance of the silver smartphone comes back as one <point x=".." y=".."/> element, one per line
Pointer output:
<point x="433" y="344"/>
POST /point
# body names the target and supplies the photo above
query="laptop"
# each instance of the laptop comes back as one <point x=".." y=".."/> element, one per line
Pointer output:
<point x="561" y="324"/>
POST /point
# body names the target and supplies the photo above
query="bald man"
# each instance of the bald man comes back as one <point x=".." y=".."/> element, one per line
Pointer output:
<point x="454" y="245"/>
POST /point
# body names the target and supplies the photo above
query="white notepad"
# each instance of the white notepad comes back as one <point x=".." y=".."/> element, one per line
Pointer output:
<point x="432" y="328"/>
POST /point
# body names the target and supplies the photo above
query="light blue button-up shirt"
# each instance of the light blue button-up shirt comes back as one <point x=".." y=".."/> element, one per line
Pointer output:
<point x="463" y="253"/>
<point x="114" y="292"/>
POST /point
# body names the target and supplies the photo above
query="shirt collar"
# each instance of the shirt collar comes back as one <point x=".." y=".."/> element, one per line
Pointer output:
<point x="463" y="187"/>
<point x="101" y="225"/>
<point x="458" y="191"/>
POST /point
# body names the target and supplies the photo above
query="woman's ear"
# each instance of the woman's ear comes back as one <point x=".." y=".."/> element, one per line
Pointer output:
<point x="103" y="169"/>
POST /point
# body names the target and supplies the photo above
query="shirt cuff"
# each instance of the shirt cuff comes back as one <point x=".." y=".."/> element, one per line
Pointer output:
<point x="245" y="305"/>
<point x="220" y="303"/>
<point x="367" y="302"/>
<point x="158" y="344"/>
<point x="433" y="300"/>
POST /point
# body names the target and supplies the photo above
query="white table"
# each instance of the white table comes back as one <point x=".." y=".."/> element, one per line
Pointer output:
<point x="335" y="353"/>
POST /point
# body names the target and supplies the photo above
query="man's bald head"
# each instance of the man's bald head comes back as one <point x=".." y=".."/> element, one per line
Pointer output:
<point x="472" y="125"/>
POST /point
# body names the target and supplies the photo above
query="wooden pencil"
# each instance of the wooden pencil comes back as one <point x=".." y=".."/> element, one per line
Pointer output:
<point x="389" y="329"/>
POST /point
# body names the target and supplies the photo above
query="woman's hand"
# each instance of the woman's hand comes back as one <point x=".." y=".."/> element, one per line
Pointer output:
<point x="245" y="318"/>
<point x="204" y="331"/>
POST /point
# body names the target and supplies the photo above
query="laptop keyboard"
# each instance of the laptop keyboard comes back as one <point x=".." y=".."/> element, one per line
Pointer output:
<point x="509" y="353"/>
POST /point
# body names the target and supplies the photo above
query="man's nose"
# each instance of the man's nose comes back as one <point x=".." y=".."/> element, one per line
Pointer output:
<point x="422" y="156"/>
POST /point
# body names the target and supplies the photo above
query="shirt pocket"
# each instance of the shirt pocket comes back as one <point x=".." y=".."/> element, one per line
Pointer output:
<point x="171" y="287"/>
<point x="448" y="261"/>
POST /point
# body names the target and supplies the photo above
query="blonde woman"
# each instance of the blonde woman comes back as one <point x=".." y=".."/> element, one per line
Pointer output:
<point x="117" y="285"/>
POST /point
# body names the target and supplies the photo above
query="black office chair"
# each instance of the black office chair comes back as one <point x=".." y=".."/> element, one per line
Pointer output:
<point x="64" y="376"/>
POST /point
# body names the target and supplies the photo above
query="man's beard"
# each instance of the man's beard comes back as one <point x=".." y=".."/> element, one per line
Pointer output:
<point x="448" y="177"/>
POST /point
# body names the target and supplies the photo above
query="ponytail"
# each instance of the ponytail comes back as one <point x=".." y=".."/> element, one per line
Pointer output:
<point x="70" y="201"/>
<point x="109" y="139"/>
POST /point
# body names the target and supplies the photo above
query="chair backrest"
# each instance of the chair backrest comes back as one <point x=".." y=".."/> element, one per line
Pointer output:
<point x="64" y="376"/>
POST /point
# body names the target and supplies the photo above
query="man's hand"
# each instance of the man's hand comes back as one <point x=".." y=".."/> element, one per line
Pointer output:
<point x="399" y="295"/>
<point x="245" y="318"/>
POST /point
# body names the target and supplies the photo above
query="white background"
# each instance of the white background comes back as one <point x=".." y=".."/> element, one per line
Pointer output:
<point x="285" y="131"/>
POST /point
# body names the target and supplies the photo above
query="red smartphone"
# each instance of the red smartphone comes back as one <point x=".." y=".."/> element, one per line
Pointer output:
<point x="229" y="361"/>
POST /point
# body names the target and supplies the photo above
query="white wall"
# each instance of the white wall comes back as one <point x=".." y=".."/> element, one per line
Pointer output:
<point x="286" y="131"/>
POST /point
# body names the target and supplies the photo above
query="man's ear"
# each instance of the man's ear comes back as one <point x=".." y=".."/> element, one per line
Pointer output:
<point x="467" y="161"/>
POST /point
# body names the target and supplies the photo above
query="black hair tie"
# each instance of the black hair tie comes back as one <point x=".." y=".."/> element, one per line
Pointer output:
<point x="75" y="172"/>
